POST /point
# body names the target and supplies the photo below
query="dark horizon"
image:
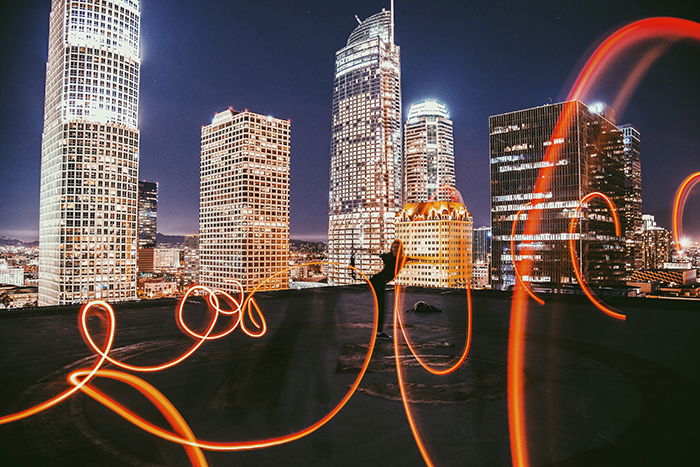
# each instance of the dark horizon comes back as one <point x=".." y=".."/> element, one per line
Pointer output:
<point x="277" y="58"/>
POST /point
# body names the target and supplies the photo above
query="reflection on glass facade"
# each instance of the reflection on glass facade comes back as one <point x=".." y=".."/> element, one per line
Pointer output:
<point x="591" y="159"/>
<point x="366" y="164"/>
<point x="481" y="244"/>
<point x="429" y="153"/>
<point x="89" y="156"/>
<point x="148" y="214"/>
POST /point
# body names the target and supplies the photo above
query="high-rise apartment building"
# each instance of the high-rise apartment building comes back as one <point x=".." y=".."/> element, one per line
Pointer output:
<point x="244" y="201"/>
<point x="90" y="153"/>
<point x="148" y="214"/>
<point x="366" y="162"/>
<point x="439" y="233"/>
<point x="481" y="244"/>
<point x="631" y="210"/>
<point x="428" y="153"/>
<point x="590" y="159"/>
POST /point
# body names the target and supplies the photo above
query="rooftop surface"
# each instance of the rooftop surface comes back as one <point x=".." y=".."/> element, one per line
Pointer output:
<point x="598" y="391"/>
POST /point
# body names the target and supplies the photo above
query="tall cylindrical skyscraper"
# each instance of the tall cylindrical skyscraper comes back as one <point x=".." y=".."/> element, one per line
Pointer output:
<point x="366" y="162"/>
<point x="90" y="155"/>
<point x="429" y="153"/>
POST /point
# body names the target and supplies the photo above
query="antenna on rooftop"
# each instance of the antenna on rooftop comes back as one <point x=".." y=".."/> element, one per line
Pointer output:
<point x="359" y="21"/>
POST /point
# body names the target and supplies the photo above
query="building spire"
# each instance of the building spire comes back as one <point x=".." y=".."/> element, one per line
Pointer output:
<point x="391" y="7"/>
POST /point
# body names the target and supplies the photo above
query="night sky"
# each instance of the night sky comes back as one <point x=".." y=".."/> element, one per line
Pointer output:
<point x="276" y="57"/>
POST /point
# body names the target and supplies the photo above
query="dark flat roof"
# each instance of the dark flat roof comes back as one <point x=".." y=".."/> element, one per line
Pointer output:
<point x="598" y="391"/>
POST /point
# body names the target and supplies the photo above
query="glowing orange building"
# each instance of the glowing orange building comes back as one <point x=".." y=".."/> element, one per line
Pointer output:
<point x="439" y="233"/>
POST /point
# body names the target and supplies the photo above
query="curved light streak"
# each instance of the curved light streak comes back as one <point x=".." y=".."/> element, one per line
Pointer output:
<point x="398" y="327"/>
<point x="574" y="257"/>
<point x="57" y="399"/>
<point x="513" y="252"/>
<point x="183" y="434"/>
<point x="679" y="204"/>
<point x="608" y="53"/>
<point x="161" y="402"/>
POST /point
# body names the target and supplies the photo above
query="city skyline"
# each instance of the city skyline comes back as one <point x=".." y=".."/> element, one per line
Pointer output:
<point x="457" y="78"/>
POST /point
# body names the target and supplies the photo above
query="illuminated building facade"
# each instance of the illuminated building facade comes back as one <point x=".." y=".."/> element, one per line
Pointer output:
<point x="190" y="260"/>
<point x="244" y="201"/>
<point x="166" y="259"/>
<point x="590" y="159"/>
<point x="366" y="155"/>
<point x="657" y="244"/>
<point x="439" y="233"/>
<point x="148" y="214"/>
<point x="481" y="244"/>
<point x="90" y="153"/>
<point x="631" y="210"/>
<point x="428" y="153"/>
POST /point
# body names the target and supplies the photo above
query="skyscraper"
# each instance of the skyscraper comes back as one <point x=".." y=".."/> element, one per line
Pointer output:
<point x="429" y="153"/>
<point x="481" y="244"/>
<point x="244" y="201"/>
<point x="657" y="244"/>
<point x="631" y="211"/>
<point x="90" y="153"/>
<point x="440" y="233"/>
<point x="148" y="214"/>
<point x="366" y="164"/>
<point x="590" y="159"/>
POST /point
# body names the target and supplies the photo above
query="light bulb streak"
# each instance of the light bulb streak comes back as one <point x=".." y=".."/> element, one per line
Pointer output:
<point x="679" y="204"/>
<point x="513" y="252"/>
<point x="574" y="257"/>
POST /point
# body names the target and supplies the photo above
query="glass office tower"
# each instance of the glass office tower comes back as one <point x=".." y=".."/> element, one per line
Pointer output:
<point x="366" y="164"/>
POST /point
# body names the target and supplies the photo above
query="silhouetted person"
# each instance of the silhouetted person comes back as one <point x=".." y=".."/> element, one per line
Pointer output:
<point x="383" y="277"/>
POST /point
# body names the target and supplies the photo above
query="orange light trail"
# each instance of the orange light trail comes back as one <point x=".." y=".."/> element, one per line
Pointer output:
<point x="608" y="53"/>
<point x="183" y="435"/>
<point x="574" y="257"/>
<point x="398" y="327"/>
<point x="513" y="252"/>
<point x="679" y="204"/>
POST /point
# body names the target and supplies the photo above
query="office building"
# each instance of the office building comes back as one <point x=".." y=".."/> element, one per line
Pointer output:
<point x="631" y="210"/>
<point x="366" y="155"/>
<point x="590" y="159"/>
<point x="481" y="244"/>
<point x="11" y="276"/>
<point x="439" y="233"/>
<point x="244" y="201"/>
<point x="148" y="214"/>
<point x="167" y="259"/>
<point x="657" y="244"/>
<point x="90" y="153"/>
<point x="429" y="170"/>
<point x="190" y="260"/>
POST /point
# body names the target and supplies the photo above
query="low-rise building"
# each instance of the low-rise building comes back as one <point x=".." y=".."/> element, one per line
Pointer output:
<point x="439" y="234"/>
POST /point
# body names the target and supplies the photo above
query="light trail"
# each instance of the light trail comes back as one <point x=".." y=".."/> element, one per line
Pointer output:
<point x="607" y="54"/>
<point x="183" y="435"/>
<point x="513" y="252"/>
<point x="679" y="204"/>
<point x="574" y="257"/>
